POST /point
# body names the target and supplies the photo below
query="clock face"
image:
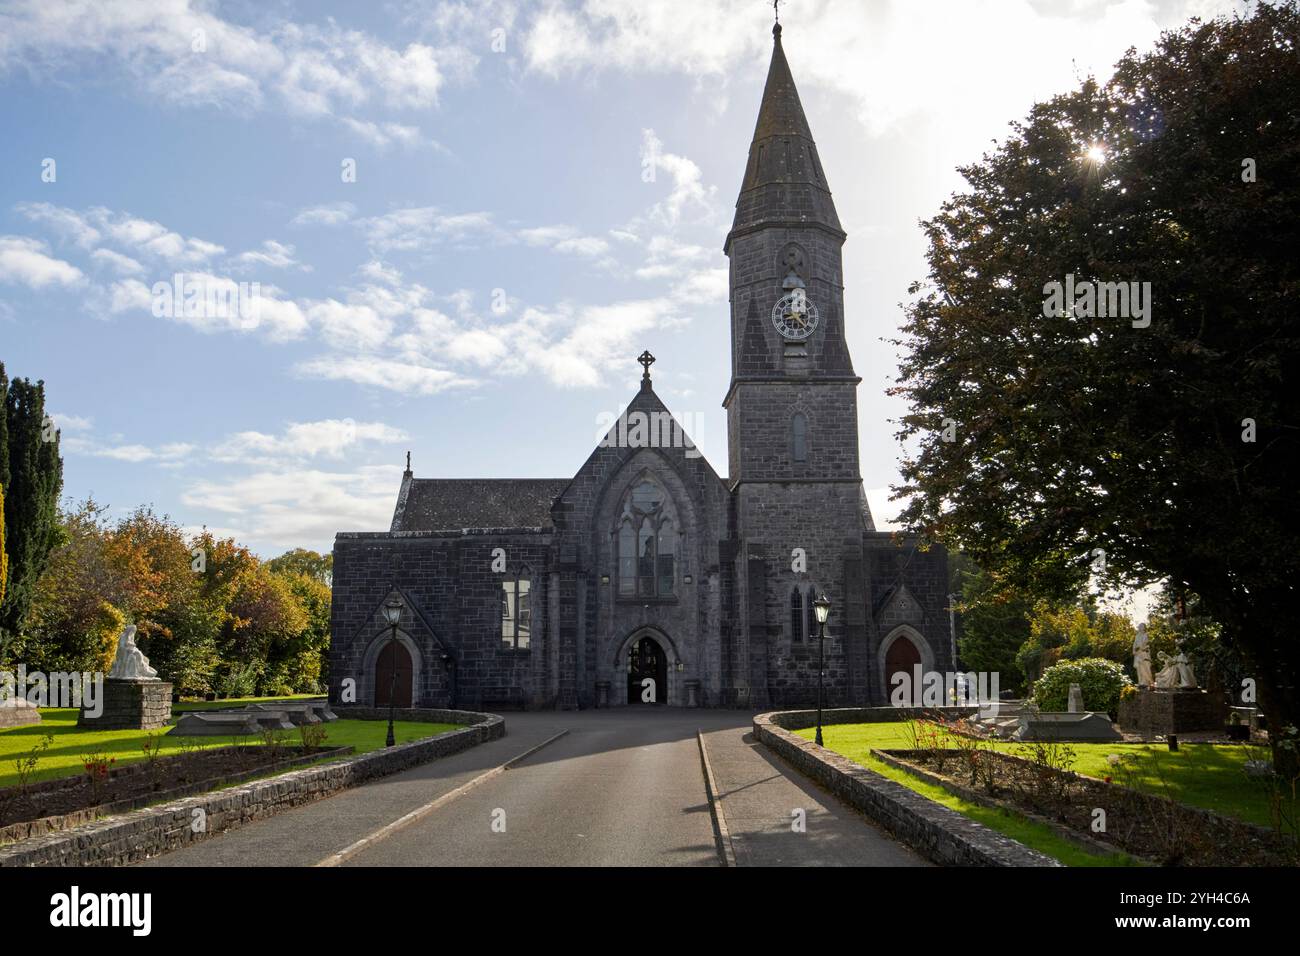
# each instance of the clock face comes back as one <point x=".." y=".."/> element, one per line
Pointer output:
<point x="794" y="315"/>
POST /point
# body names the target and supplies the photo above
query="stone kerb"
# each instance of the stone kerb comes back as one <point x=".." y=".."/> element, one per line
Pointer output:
<point x="135" y="836"/>
<point x="940" y="834"/>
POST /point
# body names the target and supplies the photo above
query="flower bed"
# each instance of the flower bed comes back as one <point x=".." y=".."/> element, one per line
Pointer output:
<point x="1040" y="785"/>
<point x="106" y="789"/>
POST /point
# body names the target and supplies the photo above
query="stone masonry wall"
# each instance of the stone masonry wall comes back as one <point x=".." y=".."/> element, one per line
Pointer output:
<point x="942" y="835"/>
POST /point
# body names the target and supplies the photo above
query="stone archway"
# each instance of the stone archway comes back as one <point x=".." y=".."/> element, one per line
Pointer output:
<point x="901" y="650"/>
<point x="647" y="672"/>
<point x="410" y="667"/>
<point x="661" y="664"/>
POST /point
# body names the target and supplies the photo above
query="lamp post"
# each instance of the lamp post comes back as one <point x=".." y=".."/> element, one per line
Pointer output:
<point x="392" y="614"/>
<point x="822" y="608"/>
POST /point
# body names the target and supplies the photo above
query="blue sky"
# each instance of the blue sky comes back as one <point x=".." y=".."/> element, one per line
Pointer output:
<point x="542" y="190"/>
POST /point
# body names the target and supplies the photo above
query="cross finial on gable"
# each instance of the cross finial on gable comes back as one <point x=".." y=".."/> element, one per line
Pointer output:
<point x="646" y="360"/>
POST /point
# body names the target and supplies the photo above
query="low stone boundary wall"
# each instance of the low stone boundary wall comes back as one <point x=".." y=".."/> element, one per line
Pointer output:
<point x="75" y="818"/>
<point x="938" y="833"/>
<point x="144" y="833"/>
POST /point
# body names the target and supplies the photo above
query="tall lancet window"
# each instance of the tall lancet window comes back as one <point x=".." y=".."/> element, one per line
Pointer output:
<point x="799" y="437"/>
<point x="626" y="558"/>
<point x="647" y="540"/>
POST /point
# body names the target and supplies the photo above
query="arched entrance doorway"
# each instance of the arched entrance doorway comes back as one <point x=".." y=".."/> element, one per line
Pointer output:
<point x="646" y="660"/>
<point x="903" y="655"/>
<point x="393" y="658"/>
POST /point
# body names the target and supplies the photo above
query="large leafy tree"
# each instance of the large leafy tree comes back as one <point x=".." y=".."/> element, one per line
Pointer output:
<point x="31" y="473"/>
<point x="304" y="561"/>
<point x="1054" y="447"/>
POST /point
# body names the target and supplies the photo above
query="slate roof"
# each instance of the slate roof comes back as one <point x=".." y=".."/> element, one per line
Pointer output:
<point x="784" y="179"/>
<point x="442" y="504"/>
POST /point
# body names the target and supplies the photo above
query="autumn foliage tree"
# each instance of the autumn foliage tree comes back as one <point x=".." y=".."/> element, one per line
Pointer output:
<point x="210" y="615"/>
<point x="1166" y="445"/>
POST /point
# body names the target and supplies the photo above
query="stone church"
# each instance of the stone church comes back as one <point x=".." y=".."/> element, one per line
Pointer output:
<point x="646" y="577"/>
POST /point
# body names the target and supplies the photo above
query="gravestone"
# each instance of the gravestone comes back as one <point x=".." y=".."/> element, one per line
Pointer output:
<point x="301" y="712"/>
<point x="18" y="712"/>
<point x="1066" y="728"/>
<point x="215" y="724"/>
<point x="1076" y="699"/>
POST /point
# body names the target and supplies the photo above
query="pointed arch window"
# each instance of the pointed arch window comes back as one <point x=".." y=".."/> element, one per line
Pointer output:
<point x="647" y="540"/>
<point x="796" y="615"/>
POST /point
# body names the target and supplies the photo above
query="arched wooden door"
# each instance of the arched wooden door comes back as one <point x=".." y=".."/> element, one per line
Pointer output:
<point x="393" y="657"/>
<point x="903" y="655"/>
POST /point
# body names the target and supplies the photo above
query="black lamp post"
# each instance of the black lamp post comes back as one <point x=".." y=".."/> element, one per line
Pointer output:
<point x="822" y="608"/>
<point x="392" y="614"/>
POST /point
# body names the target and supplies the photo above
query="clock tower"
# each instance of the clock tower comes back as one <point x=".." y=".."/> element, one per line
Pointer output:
<point x="792" y="423"/>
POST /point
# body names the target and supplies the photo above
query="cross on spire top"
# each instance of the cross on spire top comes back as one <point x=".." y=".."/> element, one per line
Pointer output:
<point x="646" y="360"/>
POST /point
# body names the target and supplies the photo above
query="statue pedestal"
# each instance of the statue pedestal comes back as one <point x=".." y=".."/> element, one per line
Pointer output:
<point x="692" y="693"/>
<point x="1159" y="712"/>
<point x="131" y="705"/>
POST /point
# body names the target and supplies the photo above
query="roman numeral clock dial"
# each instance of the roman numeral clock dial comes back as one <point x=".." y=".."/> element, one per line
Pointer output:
<point x="794" y="315"/>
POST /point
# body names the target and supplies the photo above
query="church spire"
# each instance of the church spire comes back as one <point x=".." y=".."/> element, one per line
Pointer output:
<point x="784" y="181"/>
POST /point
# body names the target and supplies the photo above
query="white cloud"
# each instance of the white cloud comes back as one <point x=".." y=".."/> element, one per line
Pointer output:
<point x="172" y="453"/>
<point x="71" y="423"/>
<point x="292" y="506"/>
<point x="381" y="272"/>
<point x="688" y="189"/>
<point x="276" y="255"/>
<point x="185" y="53"/>
<point x="122" y="265"/>
<point x="66" y="222"/>
<point x="405" y="377"/>
<point x="868" y="52"/>
<point x="330" y="438"/>
<point x="418" y="228"/>
<point x="349" y="326"/>
<point x="140" y="237"/>
<point x="383" y="135"/>
<point x="25" y="261"/>
<point x="328" y="214"/>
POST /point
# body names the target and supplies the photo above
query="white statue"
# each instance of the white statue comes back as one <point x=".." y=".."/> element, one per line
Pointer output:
<point x="1142" y="657"/>
<point x="1177" y="672"/>
<point x="130" y="662"/>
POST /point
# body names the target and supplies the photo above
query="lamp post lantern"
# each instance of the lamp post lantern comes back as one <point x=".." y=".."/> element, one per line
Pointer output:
<point x="392" y="614"/>
<point x="822" y="608"/>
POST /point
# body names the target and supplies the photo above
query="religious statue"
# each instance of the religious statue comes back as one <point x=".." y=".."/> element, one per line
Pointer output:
<point x="1177" y="672"/>
<point x="1142" y="657"/>
<point x="130" y="662"/>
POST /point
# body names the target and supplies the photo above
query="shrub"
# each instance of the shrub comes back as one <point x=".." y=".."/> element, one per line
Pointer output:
<point x="240" y="681"/>
<point x="1102" y="682"/>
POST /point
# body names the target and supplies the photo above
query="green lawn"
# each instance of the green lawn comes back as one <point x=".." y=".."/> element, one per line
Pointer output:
<point x="63" y="758"/>
<point x="1202" y="775"/>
